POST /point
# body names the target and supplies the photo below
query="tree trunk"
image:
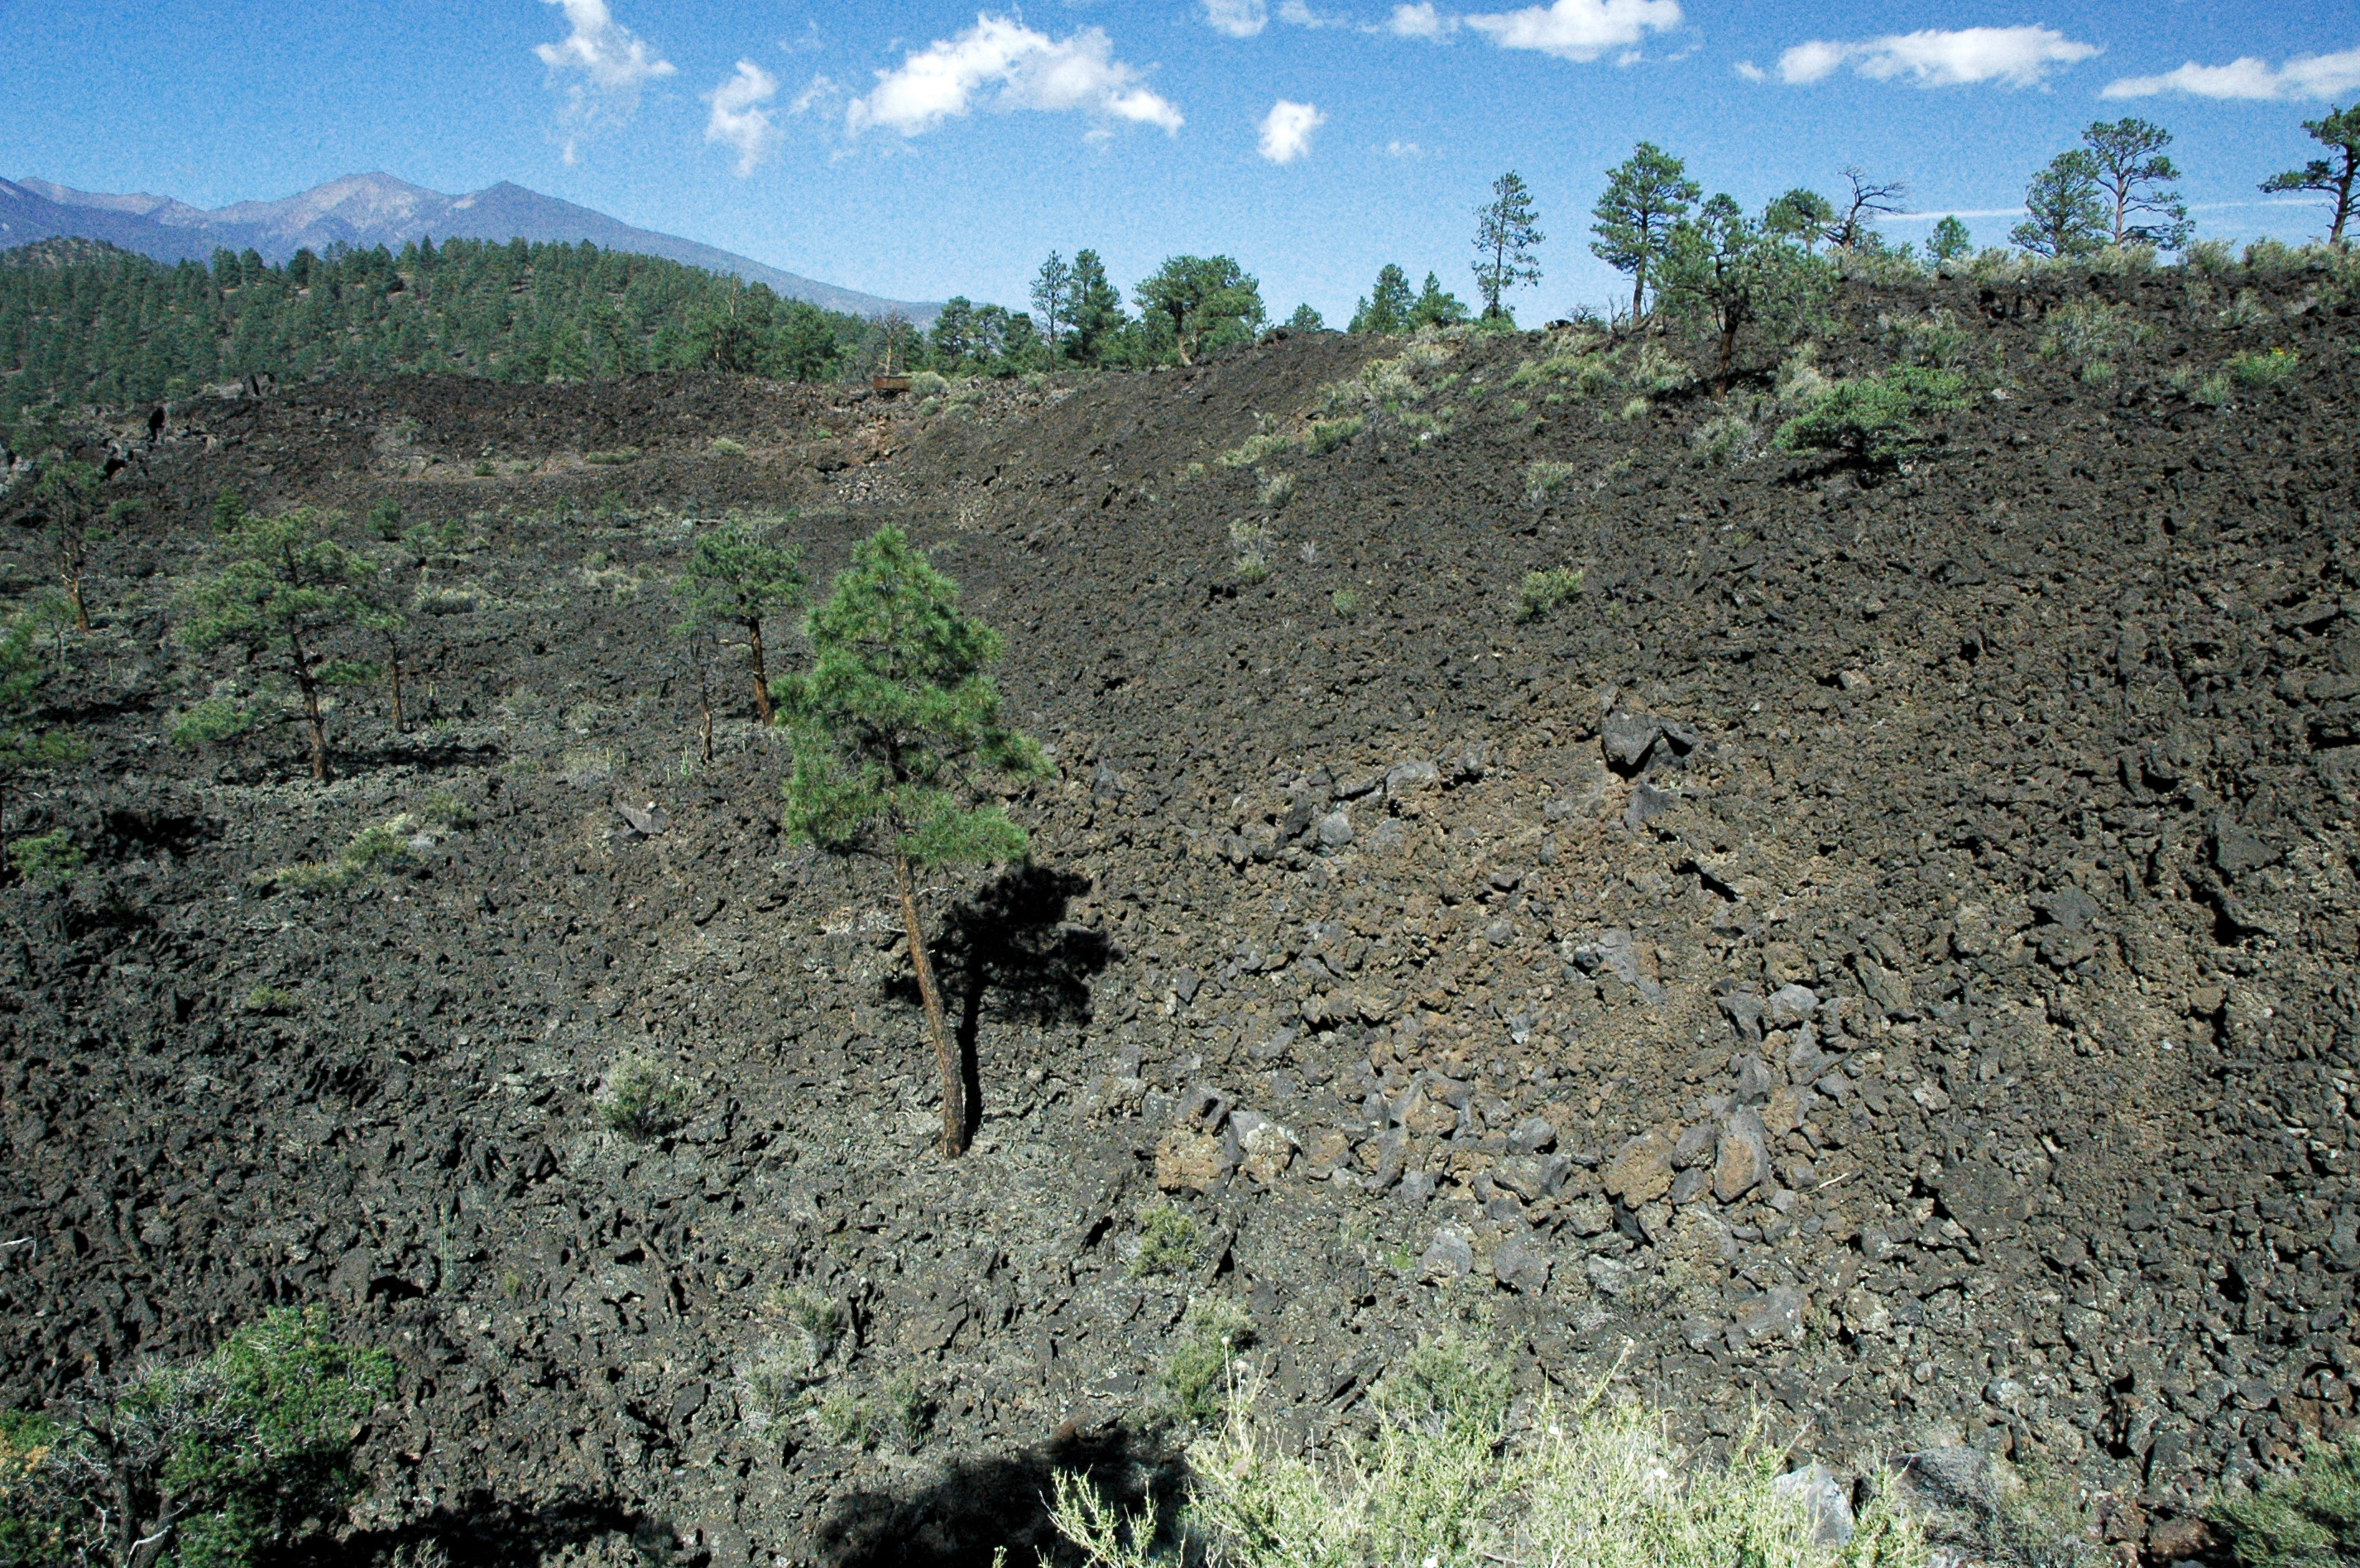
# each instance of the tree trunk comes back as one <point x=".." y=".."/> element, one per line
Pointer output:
<point x="946" y="1056"/>
<point x="401" y="724"/>
<point x="81" y="609"/>
<point x="761" y="676"/>
<point x="311" y="716"/>
<point x="1639" y="292"/>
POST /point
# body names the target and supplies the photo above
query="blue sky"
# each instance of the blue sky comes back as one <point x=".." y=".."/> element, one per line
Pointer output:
<point x="919" y="150"/>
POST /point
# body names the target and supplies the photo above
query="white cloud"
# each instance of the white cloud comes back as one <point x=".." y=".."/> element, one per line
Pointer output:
<point x="1238" y="18"/>
<point x="1287" y="130"/>
<point x="821" y="92"/>
<point x="1421" y="21"/>
<point x="1578" y="29"/>
<point x="603" y="65"/>
<point x="2305" y="76"/>
<point x="1751" y="72"/>
<point x="1403" y="149"/>
<point x="2014" y="57"/>
<point x="739" y="118"/>
<point x="1295" y="13"/>
<point x="1002" y="64"/>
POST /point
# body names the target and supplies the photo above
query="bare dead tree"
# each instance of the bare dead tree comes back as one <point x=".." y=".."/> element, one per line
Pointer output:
<point x="1870" y="200"/>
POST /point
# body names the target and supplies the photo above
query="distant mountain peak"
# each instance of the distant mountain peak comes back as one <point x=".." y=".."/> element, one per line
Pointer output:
<point x="377" y="207"/>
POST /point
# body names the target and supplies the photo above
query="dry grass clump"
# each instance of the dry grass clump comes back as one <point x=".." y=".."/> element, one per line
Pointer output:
<point x="1596" y="1484"/>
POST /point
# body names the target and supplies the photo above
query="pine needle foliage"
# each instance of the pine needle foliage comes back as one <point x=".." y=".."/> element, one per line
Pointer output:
<point x="734" y="579"/>
<point x="900" y="743"/>
<point x="282" y="590"/>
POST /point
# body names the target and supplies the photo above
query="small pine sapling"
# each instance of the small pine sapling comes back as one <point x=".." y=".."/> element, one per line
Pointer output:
<point x="66" y="500"/>
<point x="734" y="579"/>
<point x="899" y="735"/>
<point x="283" y="589"/>
<point x="23" y="747"/>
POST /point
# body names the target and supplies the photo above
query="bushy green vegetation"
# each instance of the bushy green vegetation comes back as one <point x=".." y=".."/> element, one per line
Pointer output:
<point x="2309" y="1518"/>
<point x="87" y="324"/>
<point x="1167" y="1242"/>
<point x="1875" y="419"/>
<point x="2264" y="370"/>
<point x="643" y="1100"/>
<point x="372" y="851"/>
<point x="1195" y="1379"/>
<point x="1446" y="1481"/>
<point x="1543" y="592"/>
<point x="214" y="1466"/>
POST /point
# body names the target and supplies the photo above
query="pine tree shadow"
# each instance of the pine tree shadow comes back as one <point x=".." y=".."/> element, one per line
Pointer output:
<point x="976" y="1506"/>
<point x="485" y="1531"/>
<point x="1006" y="952"/>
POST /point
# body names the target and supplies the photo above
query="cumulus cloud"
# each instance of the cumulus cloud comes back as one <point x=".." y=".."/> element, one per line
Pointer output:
<point x="739" y="118"/>
<point x="2305" y="76"/>
<point x="1421" y="21"/>
<point x="1238" y="18"/>
<point x="1751" y="72"/>
<point x="601" y="64"/>
<point x="1577" y="30"/>
<point x="1287" y="130"/>
<point x="2014" y="57"/>
<point x="1002" y="64"/>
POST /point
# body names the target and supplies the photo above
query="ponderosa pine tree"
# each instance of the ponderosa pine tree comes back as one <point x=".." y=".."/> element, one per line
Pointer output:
<point x="1507" y="228"/>
<point x="899" y="739"/>
<point x="734" y="579"/>
<point x="1800" y="215"/>
<point x="2340" y="131"/>
<point x="1645" y="195"/>
<point x="1097" y="309"/>
<point x="283" y="589"/>
<point x="66" y="500"/>
<point x="23" y="746"/>
<point x="2067" y="215"/>
<point x="1053" y="296"/>
<point x="2129" y="166"/>
<point x="1201" y="296"/>
<point x="1437" y="306"/>
<point x="1387" y="308"/>
<point x="1724" y="272"/>
<point x="1950" y="239"/>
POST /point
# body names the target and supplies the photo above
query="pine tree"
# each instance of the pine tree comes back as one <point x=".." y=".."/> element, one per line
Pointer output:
<point x="2340" y="131"/>
<point x="1387" y="308"/>
<point x="1053" y="296"/>
<point x="1723" y="271"/>
<point x="1950" y="239"/>
<point x="1506" y="230"/>
<point x="2068" y="217"/>
<point x="898" y="735"/>
<point x="1645" y="195"/>
<point x="734" y="579"/>
<point x="1201" y="296"/>
<point x="1437" y="306"/>
<point x="1305" y="320"/>
<point x="2129" y="166"/>
<point x="23" y="747"/>
<point x="65" y="498"/>
<point x="1097" y="309"/>
<point x="284" y="590"/>
<point x="1800" y="215"/>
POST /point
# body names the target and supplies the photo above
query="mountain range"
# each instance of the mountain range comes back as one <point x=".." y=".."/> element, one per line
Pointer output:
<point x="365" y="210"/>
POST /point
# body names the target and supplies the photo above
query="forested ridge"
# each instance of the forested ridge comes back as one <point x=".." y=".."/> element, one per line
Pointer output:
<point x="84" y="323"/>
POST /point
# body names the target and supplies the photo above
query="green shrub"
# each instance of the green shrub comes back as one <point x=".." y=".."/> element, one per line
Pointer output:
<point x="1543" y="592"/>
<point x="222" y="1462"/>
<point x="1544" y="480"/>
<point x="270" y="1002"/>
<point x="2245" y="310"/>
<point x="723" y="446"/>
<point x="213" y="720"/>
<point x="372" y="851"/>
<point x="845" y="1421"/>
<point x="444" y="810"/>
<point x="614" y="458"/>
<point x="1345" y="601"/>
<point x="1251" y="568"/>
<point x="1875" y="419"/>
<point x="2211" y="258"/>
<point x="2263" y="369"/>
<point x="1727" y="441"/>
<point x="928" y="384"/>
<point x="484" y="469"/>
<point x="1167" y="1242"/>
<point x="2090" y="330"/>
<point x="1594" y="1483"/>
<point x="1277" y="490"/>
<point x="47" y="860"/>
<point x="2309" y="1518"/>
<point x="1326" y="435"/>
<point x="1934" y="340"/>
<point x="643" y="1100"/>
<point x="1195" y="1379"/>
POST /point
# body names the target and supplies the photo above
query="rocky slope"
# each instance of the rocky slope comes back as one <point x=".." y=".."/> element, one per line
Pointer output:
<point x="1881" y="954"/>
